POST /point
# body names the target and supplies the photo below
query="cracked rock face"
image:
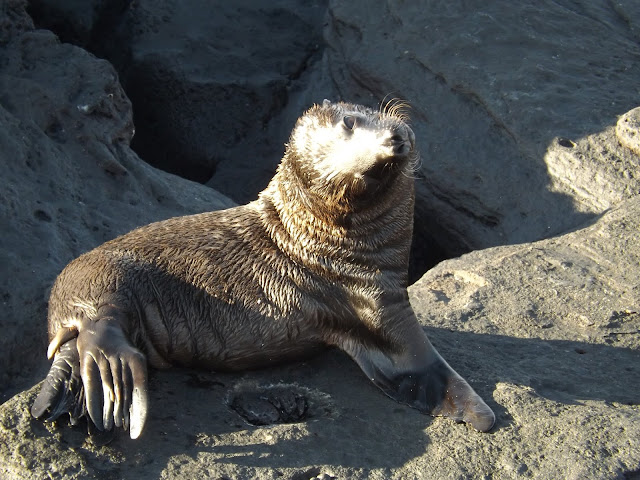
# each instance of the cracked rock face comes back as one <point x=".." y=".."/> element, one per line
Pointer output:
<point x="494" y="90"/>
<point x="526" y="116"/>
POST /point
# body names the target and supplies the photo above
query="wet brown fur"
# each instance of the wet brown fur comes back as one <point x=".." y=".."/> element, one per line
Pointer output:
<point x="320" y="258"/>
<point x="258" y="283"/>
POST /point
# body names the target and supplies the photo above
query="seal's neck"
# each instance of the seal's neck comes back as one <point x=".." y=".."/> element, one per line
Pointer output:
<point x="377" y="234"/>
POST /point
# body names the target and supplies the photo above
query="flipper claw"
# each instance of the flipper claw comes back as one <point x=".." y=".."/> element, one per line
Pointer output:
<point x="115" y="377"/>
<point x="62" y="390"/>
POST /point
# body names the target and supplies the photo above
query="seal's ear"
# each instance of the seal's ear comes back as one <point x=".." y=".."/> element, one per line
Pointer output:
<point x="326" y="103"/>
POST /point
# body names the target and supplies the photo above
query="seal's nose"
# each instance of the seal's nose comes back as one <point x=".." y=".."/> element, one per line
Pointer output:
<point x="401" y="140"/>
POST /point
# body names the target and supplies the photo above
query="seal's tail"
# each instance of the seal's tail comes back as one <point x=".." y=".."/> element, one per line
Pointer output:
<point x="62" y="391"/>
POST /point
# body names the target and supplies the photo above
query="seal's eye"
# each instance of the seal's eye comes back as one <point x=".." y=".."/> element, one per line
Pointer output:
<point x="349" y="121"/>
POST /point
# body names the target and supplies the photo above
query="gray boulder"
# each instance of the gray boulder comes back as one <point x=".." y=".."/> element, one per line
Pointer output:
<point x="547" y="332"/>
<point x="69" y="179"/>
<point x="513" y="106"/>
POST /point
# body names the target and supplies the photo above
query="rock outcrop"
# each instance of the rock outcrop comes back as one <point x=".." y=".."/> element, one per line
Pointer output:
<point x="69" y="179"/>
<point x="547" y="332"/>
<point x="513" y="105"/>
<point x="215" y="93"/>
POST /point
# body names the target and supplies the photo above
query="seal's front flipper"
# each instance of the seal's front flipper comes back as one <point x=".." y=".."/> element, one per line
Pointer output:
<point x="62" y="390"/>
<point x="440" y="391"/>
<point x="418" y="376"/>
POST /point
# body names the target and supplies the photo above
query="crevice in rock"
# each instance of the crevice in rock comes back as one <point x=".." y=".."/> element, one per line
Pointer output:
<point x="209" y="97"/>
<point x="426" y="252"/>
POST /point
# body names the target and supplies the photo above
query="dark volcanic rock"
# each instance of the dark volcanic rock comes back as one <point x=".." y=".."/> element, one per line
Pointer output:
<point x="512" y="104"/>
<point x="206" y="86"/>
<point x="208" y="81"/>
<point x="81" y="22"/>
<point x="69" y="179"/>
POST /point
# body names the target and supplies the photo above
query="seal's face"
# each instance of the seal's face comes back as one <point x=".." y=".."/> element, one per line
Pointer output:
<point x="352" y="150"/>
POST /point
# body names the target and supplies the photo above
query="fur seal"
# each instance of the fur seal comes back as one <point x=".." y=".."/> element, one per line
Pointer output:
<point x="319" y="259"/>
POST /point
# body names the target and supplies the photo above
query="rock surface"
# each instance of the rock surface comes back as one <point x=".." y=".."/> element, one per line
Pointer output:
<point x="548" y="332"/>
<point x="69" y="179"/>
<point x="524" y="113"/>
<point x="513" y="106"/>
<point x="628" y="130"/>
<point x="209" y="89"/>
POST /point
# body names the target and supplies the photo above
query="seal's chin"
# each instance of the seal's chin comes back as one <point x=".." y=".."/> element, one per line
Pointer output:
<point x="376" y="177"/>
<point x="386" y="169"/>
<point x="373" y="177"/>
<point x="381" y="169"/>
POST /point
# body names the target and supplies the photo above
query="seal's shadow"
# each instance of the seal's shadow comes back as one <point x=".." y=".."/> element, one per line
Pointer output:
<point x="356" y="425"/>
<point x="563" y="371"/>
<point x="350" y="421"/>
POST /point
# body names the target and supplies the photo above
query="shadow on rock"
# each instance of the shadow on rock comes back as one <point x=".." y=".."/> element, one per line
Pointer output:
<point x="192" y="424"/>
<point x="351" y="424"/>
<point x="568" y="372"/>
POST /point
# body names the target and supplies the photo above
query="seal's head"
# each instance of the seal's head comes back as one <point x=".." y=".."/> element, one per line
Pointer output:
<point x="349" y="153"/>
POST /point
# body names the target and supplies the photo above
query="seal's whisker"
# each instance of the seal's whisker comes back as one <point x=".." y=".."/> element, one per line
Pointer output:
<point x="395" y="108"/>
<point x="383" y="105"/>
<point x="413" y="167"/>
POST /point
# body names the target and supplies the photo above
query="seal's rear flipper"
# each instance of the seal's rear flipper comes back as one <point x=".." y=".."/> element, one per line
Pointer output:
<point x="98" y="375"/>
<point x="62" y="390"/>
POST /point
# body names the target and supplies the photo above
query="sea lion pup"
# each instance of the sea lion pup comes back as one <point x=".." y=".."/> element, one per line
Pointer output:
<point x="320" y="258"/>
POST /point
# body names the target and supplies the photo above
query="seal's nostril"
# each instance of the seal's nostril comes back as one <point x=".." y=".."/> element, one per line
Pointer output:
<point x="399" y="148"/>
<point x="395" y="139"/>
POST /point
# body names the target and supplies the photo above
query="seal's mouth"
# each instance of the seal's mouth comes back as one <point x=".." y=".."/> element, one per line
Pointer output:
<point x="385" y="168"/>
<point x="400" y="145"/>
